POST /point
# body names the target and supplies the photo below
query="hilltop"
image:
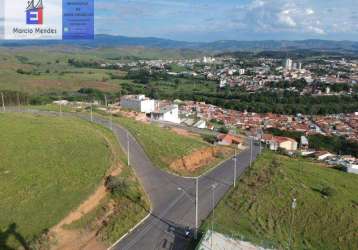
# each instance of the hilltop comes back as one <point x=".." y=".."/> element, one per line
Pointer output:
<point x="110" y="41"/>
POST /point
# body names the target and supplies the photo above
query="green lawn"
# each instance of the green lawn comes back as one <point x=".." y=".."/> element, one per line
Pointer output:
<point x="259" y="209"/>
<point x="162" y="145"/>
<point x="48" y="166"/>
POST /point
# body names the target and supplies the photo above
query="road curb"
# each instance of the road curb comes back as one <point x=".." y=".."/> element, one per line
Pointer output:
<point x="131" y="230"/>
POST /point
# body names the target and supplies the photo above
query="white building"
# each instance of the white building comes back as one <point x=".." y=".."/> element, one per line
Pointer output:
<point x="208" y="60"/>
<point x="167" y="114"/>
<point x="223" y="83"/>
<point x="288" y="64"/>
<point x="61" y="102"/>
<point x="138" y="103"/>
<point x="279" y="142"/>
<point x="200" y="124"/>
<point x="323" y="155"/>
<point x="352" y="168"/>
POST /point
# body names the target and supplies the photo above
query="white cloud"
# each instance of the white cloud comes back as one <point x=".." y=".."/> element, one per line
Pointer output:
<point x="317" y="30"/>
<point x="285" y="18"/>
<point x="255" y="18"/>
<point x="309" y="12"/>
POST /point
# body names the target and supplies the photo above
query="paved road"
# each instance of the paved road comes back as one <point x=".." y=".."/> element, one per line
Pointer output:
<point x="172" y="209"/>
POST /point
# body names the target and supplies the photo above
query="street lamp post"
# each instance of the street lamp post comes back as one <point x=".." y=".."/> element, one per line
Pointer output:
<point x="111" y="119"/>
<point x="196" y="208"/>
<point x="213" y="213"/>
<point x="293" y="206"/>
<point x="251" y="153"/>
<point x="128" y="149"/>
<point x="235" y="168"/>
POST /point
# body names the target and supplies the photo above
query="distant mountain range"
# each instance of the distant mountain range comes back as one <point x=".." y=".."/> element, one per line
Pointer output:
<point x="218" y="46"/>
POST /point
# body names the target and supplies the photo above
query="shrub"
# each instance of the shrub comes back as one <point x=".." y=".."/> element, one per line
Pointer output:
<point x="327" y="191"/>
<point x="209" y="138"/>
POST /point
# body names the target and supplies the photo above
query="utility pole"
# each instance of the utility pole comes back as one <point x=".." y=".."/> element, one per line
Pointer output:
<point x="105" y="100"/>
<point x="60" y="109"/>
<point x="3" y="102"/>
<point x="196" y="208"/>
<point x="111" y="119"/>
<point x="128" y="149"/>
<point x="91" y="113"/>
<point x="235" y="168"/>
<point x="261" y="132"/>
<point x="251" y="153"/>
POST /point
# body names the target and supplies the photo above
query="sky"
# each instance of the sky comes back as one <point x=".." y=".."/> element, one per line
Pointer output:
<point x="212" y="20"/>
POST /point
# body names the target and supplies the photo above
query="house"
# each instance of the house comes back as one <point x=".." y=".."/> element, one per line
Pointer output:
<point x="138" y="103"/>
<point x="279" y="142"/>
<point x="168" y="113"/>
<point x="226" y="139"/>
<point x="323" y="155"/>
<point x="61" y="102"/>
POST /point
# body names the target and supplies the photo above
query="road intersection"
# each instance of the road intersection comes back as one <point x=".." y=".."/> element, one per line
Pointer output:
<point x="172" y="197"/>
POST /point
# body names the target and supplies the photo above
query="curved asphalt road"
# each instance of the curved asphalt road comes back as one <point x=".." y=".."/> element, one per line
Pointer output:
<point x="172" y="210"/>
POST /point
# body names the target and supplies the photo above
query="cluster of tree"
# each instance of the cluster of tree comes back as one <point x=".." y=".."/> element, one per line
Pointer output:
<point x="83" y="64"/>
<point x="334" y="144"/>
<point x="31" y="72"/>
<point x="210" y="138"/>
<point x="280" y="103"/>
<point x="285" y="102"/>
<point x="90" y="64"/>
<point x="90" y="94"/>
<point x="139" y="76"/>
<point x="298" y="84"/>
<point x="334" y="87"/>
<point x="122" y="58"/>
<point x="14" y="98"/>
<point x="145" y="77"/>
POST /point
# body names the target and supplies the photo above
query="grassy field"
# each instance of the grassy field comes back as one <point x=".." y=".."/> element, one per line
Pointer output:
<point x="50" y="71"/>
<point x="259" y="209"/>
<point x="48" y="167"/>
<point x="162" y="145"/>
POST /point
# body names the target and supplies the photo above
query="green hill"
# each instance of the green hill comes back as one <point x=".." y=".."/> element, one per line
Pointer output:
<point x="162" y="145"/>
<point x="48" y="166"/>
<point x="259" y="209"/>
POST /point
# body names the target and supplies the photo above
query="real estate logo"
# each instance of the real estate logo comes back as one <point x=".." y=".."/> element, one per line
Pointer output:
<point x="34" y="13"/>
